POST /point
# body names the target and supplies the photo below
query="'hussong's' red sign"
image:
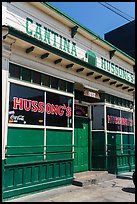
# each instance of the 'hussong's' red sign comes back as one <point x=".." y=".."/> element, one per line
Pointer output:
<point x="119" y="120"/>
<point x="35" y="106"/>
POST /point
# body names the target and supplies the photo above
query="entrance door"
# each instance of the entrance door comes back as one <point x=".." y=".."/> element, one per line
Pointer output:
<point x="81" y="144"/>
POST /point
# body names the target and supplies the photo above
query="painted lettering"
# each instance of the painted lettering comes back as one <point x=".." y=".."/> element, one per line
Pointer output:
<point x="119" y="121"/>
<point x="116" y="70"/>
<point x="38" y="34"/>
<point x="17" y="102"/>
<point x="48" y="36"/>
<point x="28" y="22"/>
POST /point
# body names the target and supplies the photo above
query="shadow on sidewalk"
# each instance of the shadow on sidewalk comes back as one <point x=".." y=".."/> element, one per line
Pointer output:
<point x="124" y="177"/>
<point x="129" y="190"/>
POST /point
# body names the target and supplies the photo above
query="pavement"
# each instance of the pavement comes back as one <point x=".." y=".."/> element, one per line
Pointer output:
<point x="118" y="188"/>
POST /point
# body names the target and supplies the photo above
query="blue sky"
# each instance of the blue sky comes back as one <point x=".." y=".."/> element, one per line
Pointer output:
<point x="96" y="17"/>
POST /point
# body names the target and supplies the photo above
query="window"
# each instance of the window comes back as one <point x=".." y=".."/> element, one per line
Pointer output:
<point x="62" y="85"/>
<point x="81" y="110"/>
<point x="127" y="121"/>
<point x="31" y="76"/>
<point x="26" y="74"/>
<point x="36" y="77"/>
<point x="119" y="120"/>
<point x="70" y="87"/>
<point x="26" y="105"/>
<point x="45" y="79"/>
<point x="14" y="70"/>
<point x="54" y="83"/>
<point x="113" y="116"/>
<point x="58" y="110"/>
<point x="98" y="117"/>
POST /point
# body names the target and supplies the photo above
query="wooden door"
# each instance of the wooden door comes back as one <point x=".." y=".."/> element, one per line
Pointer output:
<point x="81" y="159"/>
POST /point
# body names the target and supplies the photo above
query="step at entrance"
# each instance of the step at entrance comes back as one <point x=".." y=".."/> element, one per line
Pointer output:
<point x="91" y="177"/>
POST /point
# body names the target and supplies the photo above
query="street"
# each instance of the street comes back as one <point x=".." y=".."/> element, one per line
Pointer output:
<point x="120" y="189"/>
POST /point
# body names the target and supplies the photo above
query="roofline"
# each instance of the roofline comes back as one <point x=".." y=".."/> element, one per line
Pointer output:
<point x="35" y="42"/>
<point x="84" y="28"/>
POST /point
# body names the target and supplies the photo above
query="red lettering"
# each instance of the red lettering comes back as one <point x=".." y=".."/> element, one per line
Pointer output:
<point x="48" y="108"/>
<point x="54" y="109"/>
<point x="68" y="111"/>
<point x="17" y="102"/>
<point x="60" y="111"/>
<point x="108" y="119"/>
<point x="34" y="106"/>
<point x="41" y="107"/>
<point x="27" y="102"/>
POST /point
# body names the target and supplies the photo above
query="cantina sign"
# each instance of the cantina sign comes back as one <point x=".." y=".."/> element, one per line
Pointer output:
<point x="50" y="37"/>
<point x="35" y="106"/>
<point x="119" y="121"/>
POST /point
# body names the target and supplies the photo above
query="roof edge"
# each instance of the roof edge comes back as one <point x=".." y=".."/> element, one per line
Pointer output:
<point x="47" y="4"/>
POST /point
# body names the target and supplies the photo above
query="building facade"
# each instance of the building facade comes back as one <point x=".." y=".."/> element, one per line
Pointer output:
<point x="67" y="100"/>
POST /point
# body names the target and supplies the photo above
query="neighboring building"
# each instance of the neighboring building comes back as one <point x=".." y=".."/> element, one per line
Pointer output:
<point x="123" y="37"/>
<point x="67" y="98"/>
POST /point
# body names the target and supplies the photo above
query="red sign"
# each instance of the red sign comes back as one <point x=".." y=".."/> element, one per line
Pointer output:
<point x="119" y="120"/>
<point x="81" y="110"/>
<point x="35" y="106"/>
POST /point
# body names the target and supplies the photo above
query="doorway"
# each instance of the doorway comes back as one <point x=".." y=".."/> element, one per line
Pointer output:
<point x="81" y="150"/>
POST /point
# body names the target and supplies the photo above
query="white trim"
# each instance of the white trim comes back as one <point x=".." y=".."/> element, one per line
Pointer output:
<point x="131" y="133"/>
<point x="113" y="106"/>
<point x="58" y="128"/>
<point x="73" y="125"/>
<point x="19" y="82"/>
<point x="6" y="120"/>
<point x="38" y="126"/>
<point x="113" y="132"/>
<point x="105" y="128"/>
<point x="5" y="105"/>
<point x="26" y="126"/>
<point x="118" y="107"/>
<point x="45" y="118"/>
<point x="44" y="150"/>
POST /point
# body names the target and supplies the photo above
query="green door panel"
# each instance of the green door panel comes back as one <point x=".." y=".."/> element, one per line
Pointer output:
<point x="81" y="144"/>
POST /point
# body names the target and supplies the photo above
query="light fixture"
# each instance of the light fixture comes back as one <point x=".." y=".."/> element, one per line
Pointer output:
<point x="57" y="61"/>
<point x="90" y="73"/>
<point x="98" y="77"/>
<point x="104" y="80"/>
<point x="74" y="31"/>
<point x="69" y="65"/>
<point x="80" y="70"/>
<point x="113" y="82"/>
<point x="30" y="49"/>
<point x="111" y="53"/>
<point x="44" y="56"/>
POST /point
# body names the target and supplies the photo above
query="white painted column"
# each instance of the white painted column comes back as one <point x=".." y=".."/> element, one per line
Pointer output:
<point x="5" y="95"/>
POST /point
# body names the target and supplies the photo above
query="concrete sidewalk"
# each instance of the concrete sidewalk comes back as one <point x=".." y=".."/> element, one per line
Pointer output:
<point x="120" y="189"/>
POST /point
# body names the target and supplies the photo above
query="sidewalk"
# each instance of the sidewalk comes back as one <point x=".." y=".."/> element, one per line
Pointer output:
<point x="120" y="189"/>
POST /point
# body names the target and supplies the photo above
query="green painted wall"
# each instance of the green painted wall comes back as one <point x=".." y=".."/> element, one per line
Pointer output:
<point x="24" y="145"/>
<point x="98" y="151"/>
<point x="59" y="145"/>
<point x="32" y="177"/>
<point x="26" y="171"/>
<point x="121" y="156"/>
